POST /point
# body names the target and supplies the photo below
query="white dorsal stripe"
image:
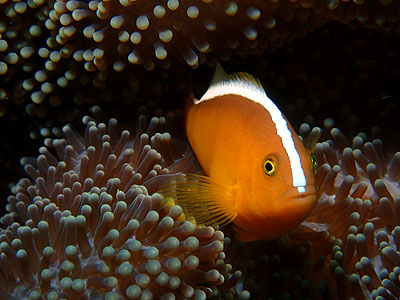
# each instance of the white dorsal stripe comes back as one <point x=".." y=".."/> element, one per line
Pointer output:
<point x="254" y="93"/>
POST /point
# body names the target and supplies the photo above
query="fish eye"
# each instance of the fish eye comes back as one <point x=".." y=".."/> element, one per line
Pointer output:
<point x="269" y="166"/>
<point x="313" y="161"/>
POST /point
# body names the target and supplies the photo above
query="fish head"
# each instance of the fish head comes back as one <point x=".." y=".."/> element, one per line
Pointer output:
<point x="278" y="202"/>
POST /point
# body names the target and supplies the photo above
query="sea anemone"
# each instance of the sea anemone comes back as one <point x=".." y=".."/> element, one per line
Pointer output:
<point x="333" y="67"/>
<point x="336" y="70"/>
<point x="85" y="225"/>
<point x="279" y="269"/>
<point x="47" y="46"/>
<point x="357" y="216"/>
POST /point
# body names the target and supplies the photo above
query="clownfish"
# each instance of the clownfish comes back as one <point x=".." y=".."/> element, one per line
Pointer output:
<point x="259" y="174"/>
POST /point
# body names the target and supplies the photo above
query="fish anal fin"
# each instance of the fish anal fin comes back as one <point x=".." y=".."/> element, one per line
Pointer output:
<point x="210" y="203"/>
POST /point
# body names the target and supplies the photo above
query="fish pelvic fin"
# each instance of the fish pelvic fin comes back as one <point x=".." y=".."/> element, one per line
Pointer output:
<point x="248" y="236"/>
<point x="210" y="203"/>
<point x="244" y="235"/>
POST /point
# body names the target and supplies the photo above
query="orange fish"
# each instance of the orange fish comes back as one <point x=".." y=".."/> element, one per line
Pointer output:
<point x="259" y="173"/>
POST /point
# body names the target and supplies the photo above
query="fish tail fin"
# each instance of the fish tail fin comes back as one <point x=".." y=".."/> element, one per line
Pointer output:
<point x="208" y="202"/>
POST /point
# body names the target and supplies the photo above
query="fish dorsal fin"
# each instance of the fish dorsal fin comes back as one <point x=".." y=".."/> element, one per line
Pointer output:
<point x="246" y="78"/>
<point x="238" y="83"/>
<point x="312" y="139"/>
<point x="220" y="75"/>
<point x="208" y="202"/>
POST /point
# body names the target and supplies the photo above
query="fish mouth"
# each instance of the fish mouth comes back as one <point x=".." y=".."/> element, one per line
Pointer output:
<point x="301" y="193"/>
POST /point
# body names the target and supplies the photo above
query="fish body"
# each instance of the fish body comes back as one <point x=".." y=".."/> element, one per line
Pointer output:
<point x="259" y="174"/>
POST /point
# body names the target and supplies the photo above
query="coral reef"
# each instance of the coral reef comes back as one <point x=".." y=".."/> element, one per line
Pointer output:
<point x="85" y="225"/>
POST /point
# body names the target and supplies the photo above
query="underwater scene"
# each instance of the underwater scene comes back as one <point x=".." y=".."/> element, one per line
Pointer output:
<point x="208" y="149"/>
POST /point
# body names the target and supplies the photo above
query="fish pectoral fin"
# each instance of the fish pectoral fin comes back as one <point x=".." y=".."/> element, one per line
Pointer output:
<point x="210" y="203"/>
